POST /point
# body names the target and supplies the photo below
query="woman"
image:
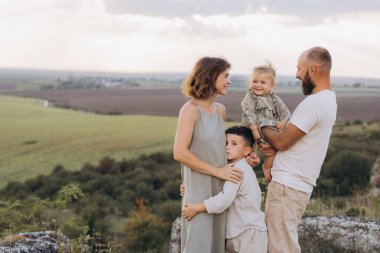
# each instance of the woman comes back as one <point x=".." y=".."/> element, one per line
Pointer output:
<point x="200" y="147"/>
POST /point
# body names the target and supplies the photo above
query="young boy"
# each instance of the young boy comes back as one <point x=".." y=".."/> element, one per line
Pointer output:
<point x="246" y="230"/>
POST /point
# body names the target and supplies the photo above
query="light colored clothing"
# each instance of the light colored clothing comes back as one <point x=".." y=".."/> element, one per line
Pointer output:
<point x="204" y="233"/>
<point x="243" y="201"/>
<point x="263" y="110"/>
<point x="251" y="240"/>
<point x="283" y="211"/>
<point x="300" y="166"/>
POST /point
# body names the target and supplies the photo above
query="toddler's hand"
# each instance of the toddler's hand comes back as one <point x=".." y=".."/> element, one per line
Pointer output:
<point x="257" y="136"/>
<point x="255" y="132"/>
<point x="281" y="124"/>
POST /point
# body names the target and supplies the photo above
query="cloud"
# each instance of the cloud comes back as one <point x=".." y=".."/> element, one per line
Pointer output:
<point x="87" y="34"/>
<point x="307" y="11"/>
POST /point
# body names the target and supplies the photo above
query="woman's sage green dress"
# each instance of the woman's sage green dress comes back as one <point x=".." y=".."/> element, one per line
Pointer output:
<point x="205" y="233"/>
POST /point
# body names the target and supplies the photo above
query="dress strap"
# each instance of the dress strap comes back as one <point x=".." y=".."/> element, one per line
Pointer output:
<point x="217" y="106"/>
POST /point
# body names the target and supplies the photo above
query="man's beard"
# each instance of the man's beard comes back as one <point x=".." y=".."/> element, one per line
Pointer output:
<point x="307" y="85"/>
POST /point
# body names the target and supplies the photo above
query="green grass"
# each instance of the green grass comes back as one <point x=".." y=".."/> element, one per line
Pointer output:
<point x="366" y="204"/>
<point x="34" y="139"/>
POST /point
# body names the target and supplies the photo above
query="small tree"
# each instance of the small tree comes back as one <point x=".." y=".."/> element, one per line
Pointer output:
<point x="144" y="230"/>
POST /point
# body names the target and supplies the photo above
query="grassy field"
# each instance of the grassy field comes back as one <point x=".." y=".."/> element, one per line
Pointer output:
<point x="34" y="139"/>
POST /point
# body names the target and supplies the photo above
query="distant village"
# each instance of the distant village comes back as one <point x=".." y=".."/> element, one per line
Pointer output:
<point x="175" y="80"/>
<point x="91" y="83"/>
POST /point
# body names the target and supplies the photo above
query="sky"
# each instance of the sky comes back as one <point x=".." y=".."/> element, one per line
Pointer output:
<point x="171" y="35"/>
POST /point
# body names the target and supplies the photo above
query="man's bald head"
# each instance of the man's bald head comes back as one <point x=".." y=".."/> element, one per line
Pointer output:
<point x="313" y="69"/>
<point x="319" y="56"/>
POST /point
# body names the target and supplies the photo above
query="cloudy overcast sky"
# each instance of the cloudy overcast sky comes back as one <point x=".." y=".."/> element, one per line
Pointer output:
<point x="170" y="35"/>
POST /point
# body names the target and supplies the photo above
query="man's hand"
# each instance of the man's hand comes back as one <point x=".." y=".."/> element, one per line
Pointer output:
<point x="267" y="149"/>
<point x="253" y="159"/>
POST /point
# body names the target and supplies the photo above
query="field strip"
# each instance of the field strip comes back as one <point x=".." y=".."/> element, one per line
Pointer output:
<point x="35" y="138"/>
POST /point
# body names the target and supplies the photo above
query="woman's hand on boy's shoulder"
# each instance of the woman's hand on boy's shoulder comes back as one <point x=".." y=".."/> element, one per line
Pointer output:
<point x="229" y="173"/>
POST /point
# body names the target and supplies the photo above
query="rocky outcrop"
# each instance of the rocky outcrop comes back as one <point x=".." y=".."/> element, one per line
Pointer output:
<point x="348" y="233"/>
<point x="175" y="237"/>
<point x="322" y="234"/>
<point x="375" y="178"/>
<point x="34" y="242"/>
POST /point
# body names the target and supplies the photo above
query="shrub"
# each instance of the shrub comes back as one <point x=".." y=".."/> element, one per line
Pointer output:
<point x="145" y="231"/>
<point x="169" y="210"/>
<point x="353" y="212"/>
<point x="340" y="203"/>
<point x="344" y="174"/>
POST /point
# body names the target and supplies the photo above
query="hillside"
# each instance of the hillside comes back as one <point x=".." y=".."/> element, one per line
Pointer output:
<point x="34" y="139"/>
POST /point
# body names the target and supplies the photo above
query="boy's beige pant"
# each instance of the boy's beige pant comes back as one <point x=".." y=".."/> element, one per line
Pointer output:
<point x="251" y="240"/>
<point x="284" y="208"/>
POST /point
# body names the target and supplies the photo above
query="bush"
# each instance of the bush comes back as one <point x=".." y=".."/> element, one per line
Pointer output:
<point x="353" y="212"/>
<point x="72" y="199"/>
<point x="340" y="203"/>
<point x="169" y="210"/>
<point x="145" y="231"/>
<point x="344" y="174"/>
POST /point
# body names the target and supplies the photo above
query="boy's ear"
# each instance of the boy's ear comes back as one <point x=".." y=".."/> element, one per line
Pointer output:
<point x="247" y="151"/>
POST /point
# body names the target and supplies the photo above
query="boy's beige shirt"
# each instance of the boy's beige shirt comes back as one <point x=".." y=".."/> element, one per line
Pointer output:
<point x="243" y="202"/>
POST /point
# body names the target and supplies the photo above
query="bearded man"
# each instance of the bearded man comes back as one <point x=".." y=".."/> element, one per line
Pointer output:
<point x="301" y="149"/>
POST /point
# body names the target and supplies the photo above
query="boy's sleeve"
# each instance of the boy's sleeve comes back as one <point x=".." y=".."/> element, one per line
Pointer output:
<point x="248" y="106"/>
<point x="223" y="200"/>
<point x="283" y="111"/>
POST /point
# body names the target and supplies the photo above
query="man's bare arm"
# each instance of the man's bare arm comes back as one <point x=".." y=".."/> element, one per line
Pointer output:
<point x="283" y="140"/>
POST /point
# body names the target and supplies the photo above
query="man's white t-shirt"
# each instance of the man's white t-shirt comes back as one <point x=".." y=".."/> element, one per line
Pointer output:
<point x="300" y="165"/>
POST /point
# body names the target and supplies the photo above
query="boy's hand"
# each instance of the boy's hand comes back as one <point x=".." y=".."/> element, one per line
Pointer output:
<point x="190" y="210"/>
<point x="182" y="190"/>
<point x="253" y="159"/>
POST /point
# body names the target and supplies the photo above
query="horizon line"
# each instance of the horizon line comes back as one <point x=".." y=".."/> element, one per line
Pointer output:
<point x="150" y="72"/>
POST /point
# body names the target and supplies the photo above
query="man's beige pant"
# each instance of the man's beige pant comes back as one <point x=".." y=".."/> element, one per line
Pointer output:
<point x="249" y="241"/>
<point x="283" y="211"/>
